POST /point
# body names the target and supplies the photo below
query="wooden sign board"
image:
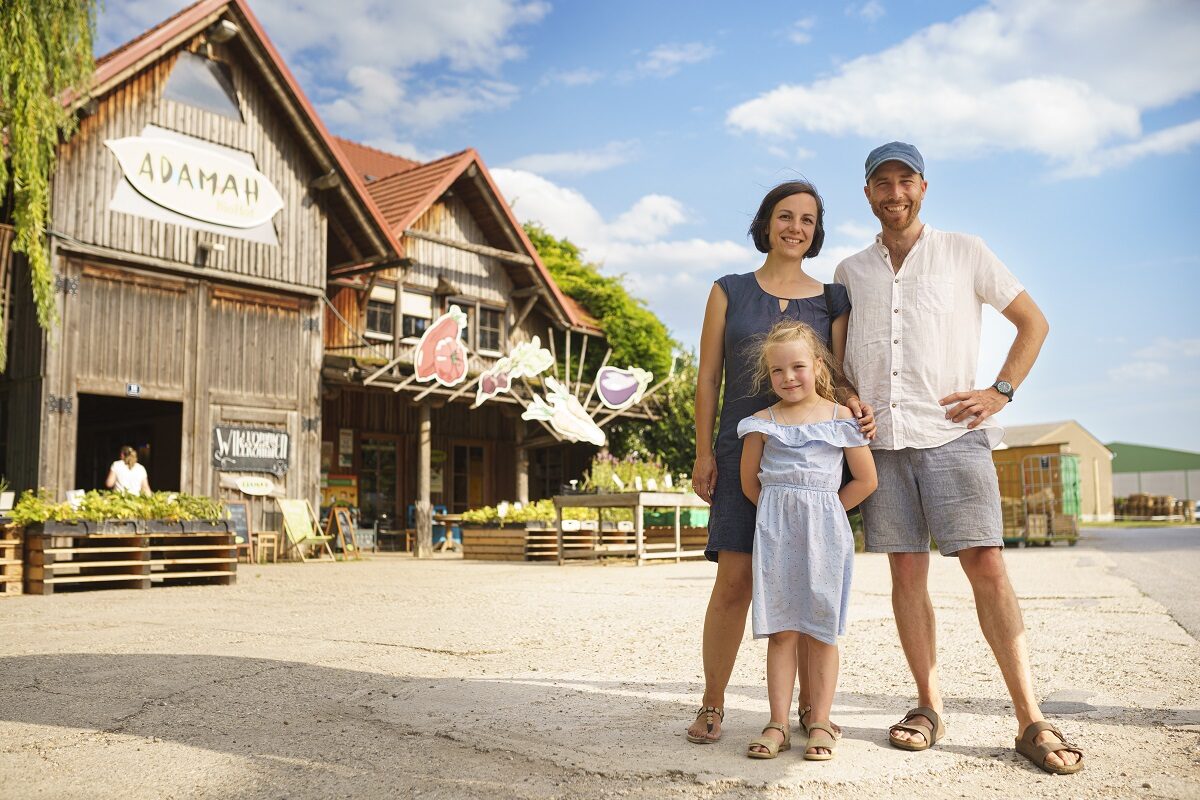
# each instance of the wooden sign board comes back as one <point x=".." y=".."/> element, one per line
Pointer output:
<point x="341" y="526"/>
<point x="239" y="521"/>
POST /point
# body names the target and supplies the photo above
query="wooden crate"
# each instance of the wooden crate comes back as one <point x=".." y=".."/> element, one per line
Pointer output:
<point x="493" y="544"/>
<point x="11" y="561"/>
<point x="205" y="557"/>
<point x="80" y="560"/>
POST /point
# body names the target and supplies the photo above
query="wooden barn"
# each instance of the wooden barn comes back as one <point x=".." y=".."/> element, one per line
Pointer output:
<point x="195" y="216"/>
<point x="242" y="297"/>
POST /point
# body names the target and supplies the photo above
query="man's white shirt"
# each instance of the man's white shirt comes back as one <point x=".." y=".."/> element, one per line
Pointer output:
<point x="914" y="334"/>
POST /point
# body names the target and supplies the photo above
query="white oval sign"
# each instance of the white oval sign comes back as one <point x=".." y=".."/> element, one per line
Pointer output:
<point x="258" y="487"/>
<point x="196" y="182"/>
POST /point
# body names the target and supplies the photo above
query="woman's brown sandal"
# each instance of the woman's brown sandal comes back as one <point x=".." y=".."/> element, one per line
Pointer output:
<point x="708" y="712"/>
<point x="820" y="735"/>
<point x="931" y="735"/>
<point x="771" y="748"/>
<point x="1037" y="752"/>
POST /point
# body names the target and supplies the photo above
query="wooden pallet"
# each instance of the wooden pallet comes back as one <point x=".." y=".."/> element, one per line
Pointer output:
<point x="209" y="557"/>
<point x="82" y="560"/>
<point x="11" y="562"/>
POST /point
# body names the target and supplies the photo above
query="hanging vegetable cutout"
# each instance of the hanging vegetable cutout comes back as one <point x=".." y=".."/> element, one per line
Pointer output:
<point x="523" y="361"/>
<point x="565" y="415"/>
<point x="620" y="388"/>
<point x="441" y="354"/>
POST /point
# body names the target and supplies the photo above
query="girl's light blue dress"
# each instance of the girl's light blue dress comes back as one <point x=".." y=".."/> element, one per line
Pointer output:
<point x="803" y="546"/>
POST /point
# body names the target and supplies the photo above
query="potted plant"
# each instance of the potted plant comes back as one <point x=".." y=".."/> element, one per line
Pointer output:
<point x="6" y="496"/>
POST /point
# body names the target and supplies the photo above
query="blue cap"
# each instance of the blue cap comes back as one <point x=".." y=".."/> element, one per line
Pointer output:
<point x="903" y="152"/>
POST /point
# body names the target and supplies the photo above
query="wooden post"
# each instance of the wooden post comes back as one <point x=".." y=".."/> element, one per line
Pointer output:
<point x="558" y="520"/>
<point x="424" y="506"/>
<point x="678" y="537"/>
<point x="522" y="464"/>
<point x="640" y="532"/>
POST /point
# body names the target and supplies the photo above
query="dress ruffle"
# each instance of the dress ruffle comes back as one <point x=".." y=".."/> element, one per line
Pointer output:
<point x="837" y="432"/>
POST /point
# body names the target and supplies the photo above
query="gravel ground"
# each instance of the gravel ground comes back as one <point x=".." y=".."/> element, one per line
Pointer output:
<point x="452" y="679"/>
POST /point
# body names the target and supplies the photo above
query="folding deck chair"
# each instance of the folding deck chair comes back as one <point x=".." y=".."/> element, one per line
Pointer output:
<point x="302" y="527"/>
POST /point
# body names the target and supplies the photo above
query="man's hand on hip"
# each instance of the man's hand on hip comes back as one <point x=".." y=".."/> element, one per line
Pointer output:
<point x="978" y="403"/>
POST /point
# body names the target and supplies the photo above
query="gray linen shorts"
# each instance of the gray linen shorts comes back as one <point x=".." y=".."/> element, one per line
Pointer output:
<point x="950" y="492"/>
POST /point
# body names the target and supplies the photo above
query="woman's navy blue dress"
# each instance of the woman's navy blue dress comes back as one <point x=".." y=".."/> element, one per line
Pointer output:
<point x="751" y="313"/>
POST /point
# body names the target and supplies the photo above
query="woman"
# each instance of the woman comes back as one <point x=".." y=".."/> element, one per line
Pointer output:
<point x="789" y="226"/>
<point x="127" y="475"/>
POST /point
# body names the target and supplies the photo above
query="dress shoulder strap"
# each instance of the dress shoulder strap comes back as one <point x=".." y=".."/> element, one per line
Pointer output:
<point x="835" y="410"/>
<point x="772" y="413"/>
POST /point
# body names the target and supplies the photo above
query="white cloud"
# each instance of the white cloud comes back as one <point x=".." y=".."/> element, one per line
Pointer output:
<point x="573" y="77"/>
<point x="673" y="275"/>
<point x="871" y="10"/>
<point x="858" y="232"/>
<point x="358" y="58"/>
<point x="577" y="162"/>
<point x="800" y="32"/>
<point x="667" y="59"/>
<point x="1012" y="75"/>
<point x="1163" y="349"/>
<point x="790" y="154"/>
<point x="1138" y="372"/>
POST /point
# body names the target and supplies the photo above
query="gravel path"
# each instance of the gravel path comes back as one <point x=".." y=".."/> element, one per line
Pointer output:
<point x="452" y="679"/>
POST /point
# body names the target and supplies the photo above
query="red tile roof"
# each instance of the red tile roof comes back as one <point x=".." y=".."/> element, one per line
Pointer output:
<point x="404" y="196"/>
<point x="371" y="163"/>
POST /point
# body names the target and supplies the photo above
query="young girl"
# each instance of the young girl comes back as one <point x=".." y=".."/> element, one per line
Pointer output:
<point x="803" y="547"/>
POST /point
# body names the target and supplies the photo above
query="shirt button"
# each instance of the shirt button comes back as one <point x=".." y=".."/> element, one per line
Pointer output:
<point x="895" y="373"/>
<point x="895" y="311"/>
<point x="895" y="341"/>
<point x="897" y="280"/>
<point x="894" y="405"/>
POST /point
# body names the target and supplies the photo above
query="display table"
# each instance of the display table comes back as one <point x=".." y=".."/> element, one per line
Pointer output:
<point x="607" y="543"/>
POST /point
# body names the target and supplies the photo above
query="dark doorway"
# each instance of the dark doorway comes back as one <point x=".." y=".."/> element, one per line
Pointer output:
<point x="152" y="427"/>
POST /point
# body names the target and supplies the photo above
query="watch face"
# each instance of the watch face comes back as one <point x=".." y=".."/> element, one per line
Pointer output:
<point x="1004" y="387"/>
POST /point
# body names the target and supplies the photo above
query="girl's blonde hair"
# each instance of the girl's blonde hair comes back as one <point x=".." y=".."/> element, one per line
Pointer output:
<point x="129" y="455"/>
<point x="783" y="332"/>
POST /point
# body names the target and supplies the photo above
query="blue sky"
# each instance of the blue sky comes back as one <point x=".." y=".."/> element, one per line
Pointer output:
<point x="1065" y="134"/>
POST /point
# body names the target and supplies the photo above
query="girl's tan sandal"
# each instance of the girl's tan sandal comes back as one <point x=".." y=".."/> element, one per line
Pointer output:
<point x="708" y="712"/>
<point x="820" y="734"/>
<point x="1037" y="752"/>
<point x="771" y="748"/>
<point x="837" y="731"/>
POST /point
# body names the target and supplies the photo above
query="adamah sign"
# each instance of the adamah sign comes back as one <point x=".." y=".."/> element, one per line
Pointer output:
<point x="196" y="182"/>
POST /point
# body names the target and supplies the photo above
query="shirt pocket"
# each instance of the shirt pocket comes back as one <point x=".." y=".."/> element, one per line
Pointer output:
<point x="933" y="295"/>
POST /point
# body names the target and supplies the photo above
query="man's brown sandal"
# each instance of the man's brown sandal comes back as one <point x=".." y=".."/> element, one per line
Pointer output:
<point x="771" y="748"/>
<point x="708" y="712"/>
<point x="932" y="735"/>
<point x="837" y="731"/>
<point x="1037" y="752"/>
<point x="820" y="735"/>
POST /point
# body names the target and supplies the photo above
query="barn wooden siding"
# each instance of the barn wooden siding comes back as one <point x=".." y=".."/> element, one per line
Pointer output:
<point x="21" y="382"/>
<point x="88" y="174"/>
<point x="475" y="276"/>
<point x="229" y="356"/>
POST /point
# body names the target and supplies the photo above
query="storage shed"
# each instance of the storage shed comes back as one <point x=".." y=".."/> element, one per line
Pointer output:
<point x="1095" y="460"/>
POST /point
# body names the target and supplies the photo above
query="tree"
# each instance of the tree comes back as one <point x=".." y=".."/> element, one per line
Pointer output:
<point x="45" y="58"/>
<point x="637" y="338"/>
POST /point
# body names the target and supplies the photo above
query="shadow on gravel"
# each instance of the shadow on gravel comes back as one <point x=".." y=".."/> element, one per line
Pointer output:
<point x="333" y="719"/>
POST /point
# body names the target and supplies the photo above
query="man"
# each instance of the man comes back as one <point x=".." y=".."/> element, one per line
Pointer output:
<point x="912" y="352"/>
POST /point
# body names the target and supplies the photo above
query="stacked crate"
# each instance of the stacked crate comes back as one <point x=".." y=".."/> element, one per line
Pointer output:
<point x="10" y="560"/>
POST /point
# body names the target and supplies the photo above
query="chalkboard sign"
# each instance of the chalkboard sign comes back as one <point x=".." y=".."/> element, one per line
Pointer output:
<point x="237" y="449"/>
<point x="239" y="521"/>
<point x="341" y="525"/>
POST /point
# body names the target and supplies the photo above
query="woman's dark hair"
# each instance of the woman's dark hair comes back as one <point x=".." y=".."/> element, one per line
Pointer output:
<point x="761" y="225"/>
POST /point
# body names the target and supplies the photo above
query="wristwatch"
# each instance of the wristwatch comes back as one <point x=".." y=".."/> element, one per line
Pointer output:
<point x="1005" y="388"/>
